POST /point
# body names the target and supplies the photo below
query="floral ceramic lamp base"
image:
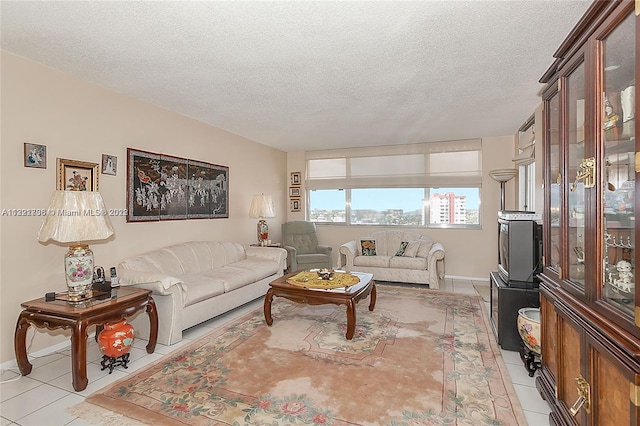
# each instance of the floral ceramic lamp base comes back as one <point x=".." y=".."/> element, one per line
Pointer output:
<point x="78" y="267"/>
<point x="263" y="231"/>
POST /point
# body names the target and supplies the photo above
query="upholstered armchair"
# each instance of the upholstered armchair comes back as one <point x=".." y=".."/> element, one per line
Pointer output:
<point x="303" y="251"/>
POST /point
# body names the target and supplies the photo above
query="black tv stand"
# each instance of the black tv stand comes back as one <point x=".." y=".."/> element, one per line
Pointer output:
<point x="504" y="306"/>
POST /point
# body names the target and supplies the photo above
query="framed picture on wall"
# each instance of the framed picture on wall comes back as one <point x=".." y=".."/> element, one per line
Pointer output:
<point x="72" y="175"/>
<point x="295" y="205"/>
<point x="35" y="155"/>
<point x="165" y="187"/>
<point x="295" y="178"/>
<point x="294" y="191"/>
<point x="109" y="164"/>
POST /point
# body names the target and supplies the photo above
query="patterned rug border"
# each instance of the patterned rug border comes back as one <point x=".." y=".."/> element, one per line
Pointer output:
<point x="95" y="414"/>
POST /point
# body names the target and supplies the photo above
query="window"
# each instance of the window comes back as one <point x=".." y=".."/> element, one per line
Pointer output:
<point x="433" y="184"/>
<point x="525" y="160"/>
<point x="387" y="206"/>
<point x="454" y="206"/>
<point x="327" y="205"/>
<point x="526" y="187"/>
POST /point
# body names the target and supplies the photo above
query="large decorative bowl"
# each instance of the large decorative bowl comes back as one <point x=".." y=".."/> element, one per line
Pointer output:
<point x="529" y="328"/>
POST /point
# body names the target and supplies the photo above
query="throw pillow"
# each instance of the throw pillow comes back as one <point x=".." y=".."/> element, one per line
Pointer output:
<point x="403" y="247"/>
<point x="368" y="247"/>
<point x="412" y="249"/>
<point x="425" y="247"/>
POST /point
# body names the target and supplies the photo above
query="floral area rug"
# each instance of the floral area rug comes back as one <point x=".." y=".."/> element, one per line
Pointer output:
<point x="422" y="357"/>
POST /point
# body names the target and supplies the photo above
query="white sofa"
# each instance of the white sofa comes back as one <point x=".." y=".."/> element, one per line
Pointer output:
<point x="195" y="281"/>
<point x="422" y="261"/>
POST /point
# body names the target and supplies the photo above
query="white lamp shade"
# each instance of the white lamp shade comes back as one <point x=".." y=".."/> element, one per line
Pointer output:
<point x="75" y="216"/>
<point x="262" y="206"/>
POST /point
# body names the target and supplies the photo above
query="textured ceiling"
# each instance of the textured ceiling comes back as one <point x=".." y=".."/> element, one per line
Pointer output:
<point x="309" y="74"/>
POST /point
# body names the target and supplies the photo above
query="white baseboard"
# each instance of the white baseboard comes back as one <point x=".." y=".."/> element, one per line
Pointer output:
<point x="12" y="364"/>
<point x="457" y="277"/>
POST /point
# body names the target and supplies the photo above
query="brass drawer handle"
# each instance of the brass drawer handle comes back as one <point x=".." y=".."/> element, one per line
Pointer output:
<point x="584" y="396"/>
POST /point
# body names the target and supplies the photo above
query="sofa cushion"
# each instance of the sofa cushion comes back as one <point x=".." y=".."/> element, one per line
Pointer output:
<point x="412" y="249"/>
<point x="187" y="258"/>
<point x="240" y="274"/>
<point x="199" y="287"/>
<point x="368" y="247"/>
<point x="233" y="277"/>
<point x="131" y="277"/>
<point x="378" y="261"/>
<point x="401" y="262"/>
<point x="259" y="266"/>
<point x="304" y="243"/>
<point x="141" y="263"/>
<point x="388" y="242"/>
<point x="225" y="253"/>
<point x="165" y="261"/>
<point x="306" y="259"/>
<point x="425" y="247"/>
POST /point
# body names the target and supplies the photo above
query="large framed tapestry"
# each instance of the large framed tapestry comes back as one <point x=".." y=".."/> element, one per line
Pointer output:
<point x="164" y="187"/>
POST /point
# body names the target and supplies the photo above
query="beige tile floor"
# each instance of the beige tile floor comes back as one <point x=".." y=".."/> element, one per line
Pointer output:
<point x="40" y="398"/>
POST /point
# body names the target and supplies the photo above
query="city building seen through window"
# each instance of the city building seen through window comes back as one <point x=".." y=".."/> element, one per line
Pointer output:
<point x="429" y="207"/>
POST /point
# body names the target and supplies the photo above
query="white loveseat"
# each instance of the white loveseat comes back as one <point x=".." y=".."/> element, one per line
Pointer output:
<point x="398" y="256"/>
<point x="195" y="281"/>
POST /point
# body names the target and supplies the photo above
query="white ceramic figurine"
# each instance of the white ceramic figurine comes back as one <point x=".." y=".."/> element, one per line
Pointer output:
<point x="625" y="277"/>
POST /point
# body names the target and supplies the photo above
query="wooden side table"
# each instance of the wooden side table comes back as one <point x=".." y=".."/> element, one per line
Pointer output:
<point x="267" y="245"/>
<point x="77" y="317"/>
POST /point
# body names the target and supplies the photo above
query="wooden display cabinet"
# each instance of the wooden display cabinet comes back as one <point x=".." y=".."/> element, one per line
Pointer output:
<point x="589" y="303"/>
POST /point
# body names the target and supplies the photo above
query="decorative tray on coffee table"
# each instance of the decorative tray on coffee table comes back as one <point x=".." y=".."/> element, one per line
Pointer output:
<point x="323" y="279"/>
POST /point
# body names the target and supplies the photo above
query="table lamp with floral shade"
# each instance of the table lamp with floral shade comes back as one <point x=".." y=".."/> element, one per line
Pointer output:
<point x="75" y="217"/>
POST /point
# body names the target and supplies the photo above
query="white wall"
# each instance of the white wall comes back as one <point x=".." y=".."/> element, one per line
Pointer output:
<point x="80" y="121"/>
<point x="469" y="252"/>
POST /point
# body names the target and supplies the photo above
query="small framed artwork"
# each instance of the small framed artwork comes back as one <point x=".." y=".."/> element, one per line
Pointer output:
<point x="295" y="178"/>
<point x="109" y="164"/>
<point x="295" y="205"/>
<point x="294" y="191"/>
<point x="74" y="175"/>
<point x="35" y="155"/>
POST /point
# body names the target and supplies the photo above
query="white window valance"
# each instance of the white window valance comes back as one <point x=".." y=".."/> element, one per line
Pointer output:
<point x="450" y="164"/>
<point x="526" y="144"/>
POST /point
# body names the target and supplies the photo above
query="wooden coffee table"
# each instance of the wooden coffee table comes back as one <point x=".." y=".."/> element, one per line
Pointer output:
<point x="339" y="296"/>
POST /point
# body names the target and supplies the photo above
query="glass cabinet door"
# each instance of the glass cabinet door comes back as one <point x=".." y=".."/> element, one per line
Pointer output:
<point x="618" y="168"/>
<point x="578" y="182"/>
<point x="553" y="253"/>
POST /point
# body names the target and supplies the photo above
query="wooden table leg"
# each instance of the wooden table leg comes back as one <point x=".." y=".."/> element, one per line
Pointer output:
<point x="372" y="302"/>
<point x="20" y="344"/>
<point x="351" y="319"/>
<point x="99" y="328"/>
<point x="153" y="329"/>
<point x="79" y="356"/>
<point x="267" y="306"/>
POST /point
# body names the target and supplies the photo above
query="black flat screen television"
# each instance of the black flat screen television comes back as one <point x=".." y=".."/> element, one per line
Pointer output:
<point x="519" y="248"/>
